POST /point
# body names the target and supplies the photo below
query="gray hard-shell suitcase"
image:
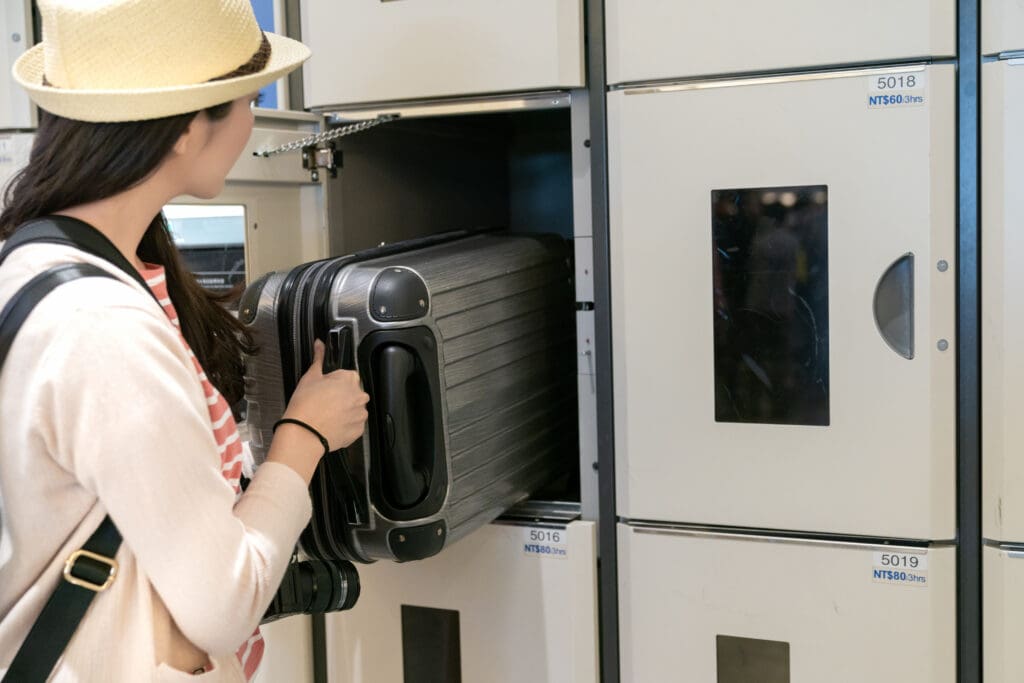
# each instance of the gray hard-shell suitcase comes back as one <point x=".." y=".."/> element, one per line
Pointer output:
<point x="466" y="346"/>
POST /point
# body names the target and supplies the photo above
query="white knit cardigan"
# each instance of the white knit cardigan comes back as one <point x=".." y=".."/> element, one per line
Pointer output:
<point x="101" y="412"/>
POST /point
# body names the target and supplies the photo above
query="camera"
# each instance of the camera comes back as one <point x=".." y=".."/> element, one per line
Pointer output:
<point x="315" y="587"/>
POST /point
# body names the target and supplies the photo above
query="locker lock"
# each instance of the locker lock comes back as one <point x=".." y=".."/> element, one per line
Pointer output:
<point x="326" y="156"/>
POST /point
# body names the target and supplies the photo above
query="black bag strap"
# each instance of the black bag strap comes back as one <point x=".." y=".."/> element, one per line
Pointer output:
<point x="73" y="233"/>
<point x="91" y="569"/>
<point x="87" y="571"/>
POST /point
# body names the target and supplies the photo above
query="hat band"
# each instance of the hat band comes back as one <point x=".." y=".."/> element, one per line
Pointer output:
<point x="256" y="63"/>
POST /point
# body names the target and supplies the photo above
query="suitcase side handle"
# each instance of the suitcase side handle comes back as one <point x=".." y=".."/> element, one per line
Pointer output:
<point x="406" y="436"/>
<point x="407" y="462"/>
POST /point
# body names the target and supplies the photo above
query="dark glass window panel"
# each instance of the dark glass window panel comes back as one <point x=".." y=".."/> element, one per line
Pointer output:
<point x="752" y="660"/>
<point x="770" y="253"/>
<point x="431" y="649"/>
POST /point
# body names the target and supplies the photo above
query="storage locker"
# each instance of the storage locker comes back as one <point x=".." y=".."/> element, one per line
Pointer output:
<point x="715" y="607"/>
<point x="783" y="295"/>
<point x="1002" y="26"/>
<point x="16" y="111"/>
<point x="381" y="50"/>
<point x="512" y="161"/>
<point x="661" y="39"/>
<point x="509" y="603"/>
<point x="1003" y="613"/>
<point x="1002" y="213"/>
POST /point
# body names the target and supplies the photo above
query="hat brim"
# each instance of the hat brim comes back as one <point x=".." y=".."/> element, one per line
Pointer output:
<point x="110" y="106"/>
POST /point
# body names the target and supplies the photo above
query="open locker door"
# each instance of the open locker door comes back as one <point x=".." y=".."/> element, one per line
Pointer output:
<point x="283" y="209"/>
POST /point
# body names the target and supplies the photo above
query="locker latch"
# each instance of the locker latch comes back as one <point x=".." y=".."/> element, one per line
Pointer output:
<point x="325" y="156"/>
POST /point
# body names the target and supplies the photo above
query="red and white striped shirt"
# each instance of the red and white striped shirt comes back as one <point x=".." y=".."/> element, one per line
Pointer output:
<point x="225" y="431"/>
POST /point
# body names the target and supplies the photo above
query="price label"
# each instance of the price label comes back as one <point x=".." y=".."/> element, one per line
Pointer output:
<point x="545" y="542"/>
<point x="900" y="568"/>
<point x="897" y="90"/>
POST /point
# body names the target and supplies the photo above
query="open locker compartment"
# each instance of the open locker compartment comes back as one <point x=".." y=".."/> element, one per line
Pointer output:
<point x="503" y="165"/>
<point x="515" y="162"/>
<point x="712" y="606"/>
<point x="783" y="259"/>
<point x="495" y="169"/>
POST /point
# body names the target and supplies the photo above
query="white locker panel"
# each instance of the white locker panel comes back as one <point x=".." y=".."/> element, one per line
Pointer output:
<point x="1003" y="628"/>
<point x="288" y="651"/>
<point x="502" y="611"/>
<point x="15" y="149"/>
<point x="661" y="39"/>
<point x="710" y="608"/>
<point x="374" y="50"/>
<point x="1002" y="286"/>
<point x="16" y="110"/>
<point x="785" y="359"/>
<point x="1002" y="26"/>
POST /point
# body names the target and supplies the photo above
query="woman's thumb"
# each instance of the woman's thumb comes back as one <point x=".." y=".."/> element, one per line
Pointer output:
<point x="318" y="357"/>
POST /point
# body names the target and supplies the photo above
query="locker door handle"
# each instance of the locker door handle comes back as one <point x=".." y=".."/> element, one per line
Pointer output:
<point x="405" y="439"/>
<point x="894" y="306"/>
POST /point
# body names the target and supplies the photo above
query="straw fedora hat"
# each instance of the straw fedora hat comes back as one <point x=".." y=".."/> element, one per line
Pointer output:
<point x="131" y="60"/>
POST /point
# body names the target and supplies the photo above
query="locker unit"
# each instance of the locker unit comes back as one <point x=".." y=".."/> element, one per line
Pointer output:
<point x="783" y="295"/>
<point x="16" y="110"/>
<point x="1002" y="27"/>
<point x="1002" y="317"/>
<point x="377" y="50"/>
<point x="660" y="39"/>
<point x="715" y="607"/>
<point x="1003" y="581"/>
<point x="509" y="603"/>
<point x="507" y="161"/>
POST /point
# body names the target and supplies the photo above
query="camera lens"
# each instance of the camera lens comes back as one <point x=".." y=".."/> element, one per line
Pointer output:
<point x="315" y="587"/>
<point x="333" y="586"/>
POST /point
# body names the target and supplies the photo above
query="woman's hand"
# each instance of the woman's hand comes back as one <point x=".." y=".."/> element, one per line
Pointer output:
<point x="333" y="404"/>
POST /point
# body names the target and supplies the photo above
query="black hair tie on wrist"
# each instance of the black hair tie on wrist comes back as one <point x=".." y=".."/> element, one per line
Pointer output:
<point x="288" y="420"/>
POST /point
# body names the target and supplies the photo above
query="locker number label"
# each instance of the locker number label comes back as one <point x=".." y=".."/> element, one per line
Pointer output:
<point x="901" y="569"/>
<point x="545" y="542"/>
<point x="897" y="90"/>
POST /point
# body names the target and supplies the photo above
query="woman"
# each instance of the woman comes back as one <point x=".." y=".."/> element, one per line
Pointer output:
<point x="114" y="404"/>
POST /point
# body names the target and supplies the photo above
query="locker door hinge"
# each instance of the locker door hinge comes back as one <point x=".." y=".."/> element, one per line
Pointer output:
<point x="324" y="156"/>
